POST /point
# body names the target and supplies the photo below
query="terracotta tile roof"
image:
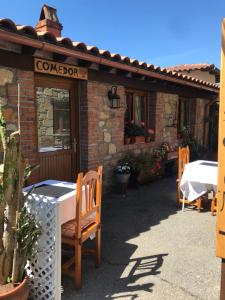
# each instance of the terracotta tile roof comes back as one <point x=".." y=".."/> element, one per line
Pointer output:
<point x="28" y="31"/>
<point x="192" y="67"/>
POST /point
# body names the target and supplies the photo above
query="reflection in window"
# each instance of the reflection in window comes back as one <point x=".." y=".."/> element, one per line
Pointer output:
<point x="53" y="113"/>
<point x="137" y="110"/>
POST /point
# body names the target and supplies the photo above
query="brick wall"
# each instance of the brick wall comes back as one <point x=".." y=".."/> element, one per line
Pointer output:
<point x="101" y="132"/>
<point x="9" y="79"/>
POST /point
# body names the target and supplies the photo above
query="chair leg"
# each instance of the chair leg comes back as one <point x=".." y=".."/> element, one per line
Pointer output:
<point x="98" y="248"/>
<point x="212" y="206"/>
<point x="199" y="204"/>
<point x="77" y="275"/>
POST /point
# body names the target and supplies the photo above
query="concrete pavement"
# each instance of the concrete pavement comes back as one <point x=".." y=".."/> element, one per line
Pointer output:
<point x="151" y="250"/>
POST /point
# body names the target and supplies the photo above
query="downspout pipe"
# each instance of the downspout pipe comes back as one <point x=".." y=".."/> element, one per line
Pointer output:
<point x="22" y="40"/>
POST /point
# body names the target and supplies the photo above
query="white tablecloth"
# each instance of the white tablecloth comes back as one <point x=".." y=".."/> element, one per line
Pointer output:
<point x="51" y="213"/>
<point x="198" y="178"/>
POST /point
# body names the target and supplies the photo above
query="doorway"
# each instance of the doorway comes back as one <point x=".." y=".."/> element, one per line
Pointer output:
<point x="57" y="127"/>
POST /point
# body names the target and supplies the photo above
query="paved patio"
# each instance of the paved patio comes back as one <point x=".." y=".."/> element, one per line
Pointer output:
<point x="151" y="250"/>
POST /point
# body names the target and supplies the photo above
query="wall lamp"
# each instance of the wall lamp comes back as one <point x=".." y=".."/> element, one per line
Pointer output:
<point x="114" y="98"/>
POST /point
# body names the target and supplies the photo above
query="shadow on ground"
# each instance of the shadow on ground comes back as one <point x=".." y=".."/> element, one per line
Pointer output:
<point x="125" y="219"/>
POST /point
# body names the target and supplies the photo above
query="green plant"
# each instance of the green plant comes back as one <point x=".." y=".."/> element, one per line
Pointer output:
<point x="122" y="168"/>
<point x="19" y="230"/>
<point x="132" y="129"/>
<point x="196" y="150"/>
<point x="147" y="162"/>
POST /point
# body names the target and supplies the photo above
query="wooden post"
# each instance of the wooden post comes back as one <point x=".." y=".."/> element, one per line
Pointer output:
<point x="220" y="226"/>
<point x="222" y="288"/>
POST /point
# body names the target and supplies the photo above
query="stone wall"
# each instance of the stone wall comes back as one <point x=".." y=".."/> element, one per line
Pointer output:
<point x="166" y="117"/>
<point x="105" y="127"/>
<point x="101" y="133"/>
<point x="9" y="79"/>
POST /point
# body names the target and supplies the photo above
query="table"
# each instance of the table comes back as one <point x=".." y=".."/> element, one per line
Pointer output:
<point x="198" y="178"/>
<point x="53" y="204"/>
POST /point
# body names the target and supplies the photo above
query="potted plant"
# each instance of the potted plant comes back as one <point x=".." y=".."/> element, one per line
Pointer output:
<point x="19" y="230"/>
<point x="149" y="135"/>
<point x="135" y="132"/>
<point x="138" y="132"/>
<point x="122" y="172"/>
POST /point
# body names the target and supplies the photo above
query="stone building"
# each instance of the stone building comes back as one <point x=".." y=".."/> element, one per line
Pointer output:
<point x="69" y="122"/>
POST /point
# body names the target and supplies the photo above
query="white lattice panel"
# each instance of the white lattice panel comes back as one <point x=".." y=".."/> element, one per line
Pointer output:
<point x="44" y="269"/>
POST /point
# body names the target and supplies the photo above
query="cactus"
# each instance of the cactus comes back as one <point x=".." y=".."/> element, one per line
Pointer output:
<point x="18" y="229"/>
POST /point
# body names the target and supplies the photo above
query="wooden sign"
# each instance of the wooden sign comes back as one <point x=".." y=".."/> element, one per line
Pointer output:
<point x="220" y="226"/>
<point x="59" y="69"/>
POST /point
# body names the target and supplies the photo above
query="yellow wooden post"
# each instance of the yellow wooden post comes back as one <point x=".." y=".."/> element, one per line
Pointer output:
<point x="220" y="226"/>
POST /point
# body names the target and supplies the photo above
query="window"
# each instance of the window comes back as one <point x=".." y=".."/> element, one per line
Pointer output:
<point x="137" y="107"/>
<point x="186" y="116"/>
<point x="53" y="114"/>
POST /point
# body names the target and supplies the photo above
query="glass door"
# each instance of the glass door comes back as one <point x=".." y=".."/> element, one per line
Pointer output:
<point x="56" y="128"/>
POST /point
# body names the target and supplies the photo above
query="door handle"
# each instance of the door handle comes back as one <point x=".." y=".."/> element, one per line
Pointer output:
<point x="74" y="145"/>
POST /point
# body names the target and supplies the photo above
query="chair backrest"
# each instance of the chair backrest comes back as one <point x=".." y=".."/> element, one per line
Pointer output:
<point x="88" y="198"/>
<point x="183" y="159"/>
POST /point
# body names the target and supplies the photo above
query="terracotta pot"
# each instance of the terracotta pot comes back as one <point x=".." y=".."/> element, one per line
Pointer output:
<point x="20" y="292"/>
<point x="127" y="140"/>
<point x="139" y="139"/>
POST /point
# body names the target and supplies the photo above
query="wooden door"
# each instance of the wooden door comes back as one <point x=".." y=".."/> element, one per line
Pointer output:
<point x="57" y="127"/>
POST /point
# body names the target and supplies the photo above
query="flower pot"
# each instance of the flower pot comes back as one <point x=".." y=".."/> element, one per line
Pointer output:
<point x="127" y="140"/>
<point x="147" y="139"/>
<point x="19" y="292"/>
<point x="139" y="139"/>
<point x="122" y="178"/>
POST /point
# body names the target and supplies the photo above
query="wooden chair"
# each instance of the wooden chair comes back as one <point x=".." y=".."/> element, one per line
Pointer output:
<point x="214" y="204"/>
<point x="183" y="159"/>
<point x="86" y="224"/>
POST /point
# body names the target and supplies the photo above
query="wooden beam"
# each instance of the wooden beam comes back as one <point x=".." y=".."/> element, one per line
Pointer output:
<point x="105" y="68"/>
<point x="222" y="285"/>
<point x="150" y="85"/>
<point x="220" y="226"/>
<point x="84" y="63"/>
<point x="59" y="57"/>
<point x="220" y="230"/>
<point x="15" y="60"/>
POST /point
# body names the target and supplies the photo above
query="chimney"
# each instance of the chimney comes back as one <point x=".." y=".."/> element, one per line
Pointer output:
<point x="49" y="21"/>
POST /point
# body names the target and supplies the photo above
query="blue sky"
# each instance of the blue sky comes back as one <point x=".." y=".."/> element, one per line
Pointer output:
<point x="163" y="32"/>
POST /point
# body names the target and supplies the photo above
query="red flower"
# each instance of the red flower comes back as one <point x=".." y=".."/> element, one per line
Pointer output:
<point x="158" y="165"/>
<point x="143" y="124"/>
<point x="152" y="170"/>
<point x="151" y="131"/>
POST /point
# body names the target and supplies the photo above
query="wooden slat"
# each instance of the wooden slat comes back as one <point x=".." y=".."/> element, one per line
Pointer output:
<point x="220" y="227"/>
<point x="56" y="165"/>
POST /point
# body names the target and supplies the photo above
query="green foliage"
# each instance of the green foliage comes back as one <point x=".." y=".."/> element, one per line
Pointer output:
<point x="27" y="233"/>
<point x="197" y="151"/>
<point x="147" y="162"/>
<point x="134" y="130"/>
<point x="19" y="231"/>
